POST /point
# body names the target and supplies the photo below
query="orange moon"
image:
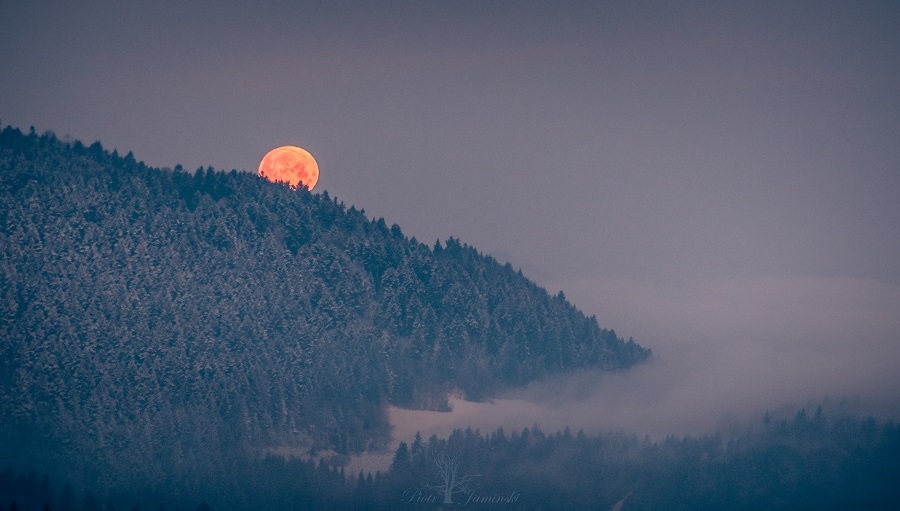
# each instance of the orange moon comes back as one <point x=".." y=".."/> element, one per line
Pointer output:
<point x="290" y="164"/>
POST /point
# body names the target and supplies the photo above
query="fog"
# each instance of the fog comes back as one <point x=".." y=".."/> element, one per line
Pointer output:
<point x="724" y="353"/>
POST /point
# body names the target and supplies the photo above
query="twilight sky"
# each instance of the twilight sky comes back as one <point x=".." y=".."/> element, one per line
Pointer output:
<point x="707" y="174"/>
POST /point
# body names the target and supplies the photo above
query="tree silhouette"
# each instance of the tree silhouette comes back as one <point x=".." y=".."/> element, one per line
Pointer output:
<point x="452" y="480"/>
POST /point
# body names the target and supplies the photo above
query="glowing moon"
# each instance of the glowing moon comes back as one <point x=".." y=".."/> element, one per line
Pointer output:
<point x="290" y="164"/>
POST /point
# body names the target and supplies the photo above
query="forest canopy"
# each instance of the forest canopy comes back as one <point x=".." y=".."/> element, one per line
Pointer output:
<point x="157" y="322"/>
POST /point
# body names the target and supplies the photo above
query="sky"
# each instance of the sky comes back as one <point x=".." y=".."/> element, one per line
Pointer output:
<point x="718" y="180"/>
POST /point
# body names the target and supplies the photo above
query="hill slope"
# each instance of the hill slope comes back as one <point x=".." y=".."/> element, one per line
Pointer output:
<point x="152" y="319"/>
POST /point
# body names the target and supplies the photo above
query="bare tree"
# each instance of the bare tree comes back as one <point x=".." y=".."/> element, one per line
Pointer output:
<point x="452" y="480"/>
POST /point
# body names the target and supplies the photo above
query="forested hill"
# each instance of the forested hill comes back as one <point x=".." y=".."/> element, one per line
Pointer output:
<point x="155" y="314"/>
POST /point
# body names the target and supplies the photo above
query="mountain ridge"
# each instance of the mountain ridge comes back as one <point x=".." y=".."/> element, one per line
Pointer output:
<point x="155" y="320"/>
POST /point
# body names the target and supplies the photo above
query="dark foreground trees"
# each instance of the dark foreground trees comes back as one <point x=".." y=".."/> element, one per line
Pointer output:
<point x="798" y="463"/>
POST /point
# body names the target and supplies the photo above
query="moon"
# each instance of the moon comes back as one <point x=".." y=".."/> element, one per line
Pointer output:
<point x="290" y="164"/>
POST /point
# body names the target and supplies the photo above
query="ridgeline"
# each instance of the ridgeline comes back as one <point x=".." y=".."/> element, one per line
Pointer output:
<point x="157" y="324"/>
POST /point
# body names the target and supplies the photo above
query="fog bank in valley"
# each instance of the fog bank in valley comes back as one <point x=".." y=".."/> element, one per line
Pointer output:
<point x="725" y="352"/>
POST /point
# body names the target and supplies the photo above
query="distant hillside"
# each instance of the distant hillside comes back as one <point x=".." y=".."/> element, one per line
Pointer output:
<point x="155" y="322"/>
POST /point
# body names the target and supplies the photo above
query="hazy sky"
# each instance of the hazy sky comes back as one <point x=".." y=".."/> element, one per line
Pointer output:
<point x="691" y="171"/>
